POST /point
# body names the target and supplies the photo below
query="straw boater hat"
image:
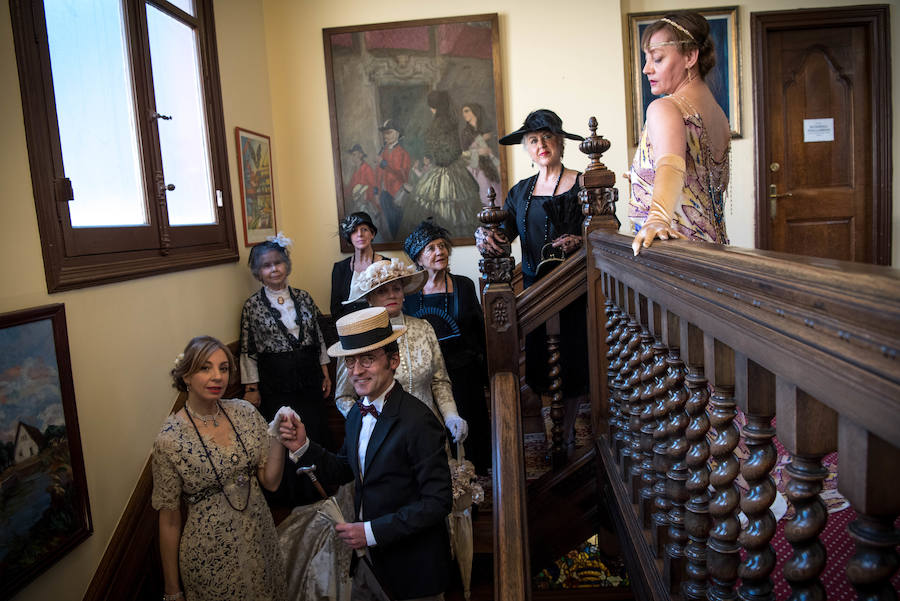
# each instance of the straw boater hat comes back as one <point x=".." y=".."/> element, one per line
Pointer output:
<point x="380" y="273"/>
<point x="364" y="330"/>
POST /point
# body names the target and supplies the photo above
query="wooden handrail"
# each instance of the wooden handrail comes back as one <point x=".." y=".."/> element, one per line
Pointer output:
<point x="831" y="327"/>
<point x="552" y="293"/>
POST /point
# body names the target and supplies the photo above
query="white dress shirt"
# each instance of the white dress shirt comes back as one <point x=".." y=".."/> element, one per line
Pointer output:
<point x="365" y="433"/>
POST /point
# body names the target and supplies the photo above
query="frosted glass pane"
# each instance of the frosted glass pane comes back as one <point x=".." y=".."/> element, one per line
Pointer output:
<point x="183" y="139"/>
<point x="96" y="112"/>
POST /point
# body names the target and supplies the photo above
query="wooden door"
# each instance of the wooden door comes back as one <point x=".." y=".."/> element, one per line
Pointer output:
<point x="823" y="152"/>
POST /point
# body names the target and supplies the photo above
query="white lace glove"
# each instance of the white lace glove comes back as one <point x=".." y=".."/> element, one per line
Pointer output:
<point x="344" y="404"/>
<point x="458" y="427"/>
<point x="283" y="413"/>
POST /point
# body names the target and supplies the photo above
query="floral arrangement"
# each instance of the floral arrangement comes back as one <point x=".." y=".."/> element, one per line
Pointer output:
<point x="466" y="489"/>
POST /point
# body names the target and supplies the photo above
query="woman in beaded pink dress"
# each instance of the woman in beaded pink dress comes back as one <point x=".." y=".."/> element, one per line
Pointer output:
<point x="681" y="168"/>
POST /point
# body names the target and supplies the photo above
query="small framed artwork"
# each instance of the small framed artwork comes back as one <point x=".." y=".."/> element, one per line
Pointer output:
<point x="416" y="109"/>
<point x="44" y="509"/>
<point x="254" y="157"/>
<point x="724" y="80"/>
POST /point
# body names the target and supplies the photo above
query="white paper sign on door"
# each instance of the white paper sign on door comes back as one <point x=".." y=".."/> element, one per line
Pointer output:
<point x="818" y="130"/>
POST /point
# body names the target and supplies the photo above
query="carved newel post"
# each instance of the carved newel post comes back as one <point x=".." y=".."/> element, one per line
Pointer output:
<point x="598" y="196"/>
<point x="598" y="205"/>
<point x="511" y="564"/>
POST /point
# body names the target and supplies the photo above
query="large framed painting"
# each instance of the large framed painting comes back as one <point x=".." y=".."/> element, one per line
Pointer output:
<point x="44" y="509"/>
<point x="416" y="109"/>
<point x="254" y="157"/>
<point x="724" y="80"/>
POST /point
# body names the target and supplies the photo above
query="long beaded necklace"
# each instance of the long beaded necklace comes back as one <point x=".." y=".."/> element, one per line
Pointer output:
<point x="241" y="478"/>
<point x="527" y="258"/>
<point x="405" y="338"/>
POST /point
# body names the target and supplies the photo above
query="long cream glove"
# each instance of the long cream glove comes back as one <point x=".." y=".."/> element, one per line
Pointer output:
<point x="668" y="182"/>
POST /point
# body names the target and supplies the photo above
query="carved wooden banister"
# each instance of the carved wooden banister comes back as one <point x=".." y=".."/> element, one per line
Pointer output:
<point x="812" y="342"/>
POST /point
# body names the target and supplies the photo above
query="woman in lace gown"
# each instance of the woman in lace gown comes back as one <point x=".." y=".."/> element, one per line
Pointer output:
<point x="681" y="168"/>
<point x="422" y="371"/>
<point x="213" y="454"/>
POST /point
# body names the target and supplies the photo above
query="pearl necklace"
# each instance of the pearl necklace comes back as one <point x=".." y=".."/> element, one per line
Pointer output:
<point x="205" y="418"/>
<point x="562" y="170"/>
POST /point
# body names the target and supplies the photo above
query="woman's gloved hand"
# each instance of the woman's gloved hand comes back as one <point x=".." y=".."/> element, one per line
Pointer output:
<point x="458" y="427"/>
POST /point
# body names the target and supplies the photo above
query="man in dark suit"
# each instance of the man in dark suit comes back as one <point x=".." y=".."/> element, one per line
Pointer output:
<point x="394" y="451"/>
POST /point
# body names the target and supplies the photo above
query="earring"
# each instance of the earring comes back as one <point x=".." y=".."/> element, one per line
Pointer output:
<point x="188" y="386"/>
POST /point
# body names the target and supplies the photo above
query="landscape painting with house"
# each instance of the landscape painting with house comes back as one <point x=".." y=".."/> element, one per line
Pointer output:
<point x="43" y="503"/>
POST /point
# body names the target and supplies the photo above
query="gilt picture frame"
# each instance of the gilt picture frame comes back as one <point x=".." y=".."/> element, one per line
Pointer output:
<point x="254" y="160"/>
<point x="44" y="508"/>
<point x="416" y="111"/>
<point x="724" y="80"/>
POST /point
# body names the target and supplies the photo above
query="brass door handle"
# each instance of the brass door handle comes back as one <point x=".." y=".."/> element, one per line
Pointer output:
<point x="773" y="196"/>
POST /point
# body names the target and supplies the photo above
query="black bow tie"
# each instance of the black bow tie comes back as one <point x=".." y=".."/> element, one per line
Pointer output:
<point x="370" y="409"/>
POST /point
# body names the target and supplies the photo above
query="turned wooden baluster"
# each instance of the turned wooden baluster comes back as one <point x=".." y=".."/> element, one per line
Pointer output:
<point x="615" y="342"/>
<point x="631" y="379"/>
<point x="642" y="439"/>
<point x="557" y="409"/>
<point x="868" y="468"/>
<point x="651" y="397"/>
<point x="696" y="517"/>
<point x="626" y="346"/>
<point x="661" y="462"/>
<point x="808" y="430"/>
<point x="677" y="474"/>
<point x="723" y="556"/>
<point x="756" y="396"/>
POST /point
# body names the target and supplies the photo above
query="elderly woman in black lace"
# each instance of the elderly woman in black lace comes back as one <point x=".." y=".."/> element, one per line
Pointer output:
<point x="283" y="353"/>
<point x="545" y="212"/>
<point x="448" y="192"/>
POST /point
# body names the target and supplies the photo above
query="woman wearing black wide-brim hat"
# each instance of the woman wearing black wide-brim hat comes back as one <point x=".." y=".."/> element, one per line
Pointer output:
<point x="545" y="212"/>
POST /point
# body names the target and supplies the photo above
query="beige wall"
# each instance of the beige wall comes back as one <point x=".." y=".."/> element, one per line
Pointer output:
<point x="123" y="337"/>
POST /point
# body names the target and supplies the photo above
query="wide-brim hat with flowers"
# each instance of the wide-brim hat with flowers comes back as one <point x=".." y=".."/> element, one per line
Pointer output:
<point x="363" y="331"/>
<point x="380" y="273"/>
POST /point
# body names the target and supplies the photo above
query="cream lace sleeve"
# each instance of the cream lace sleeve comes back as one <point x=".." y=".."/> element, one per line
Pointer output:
<point x="166" y="479"/>
<point x="441" y="388"/>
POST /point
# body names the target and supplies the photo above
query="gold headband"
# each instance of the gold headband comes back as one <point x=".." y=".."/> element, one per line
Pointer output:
<point x="672" y="43"/>
<point x="678" y="27"/>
